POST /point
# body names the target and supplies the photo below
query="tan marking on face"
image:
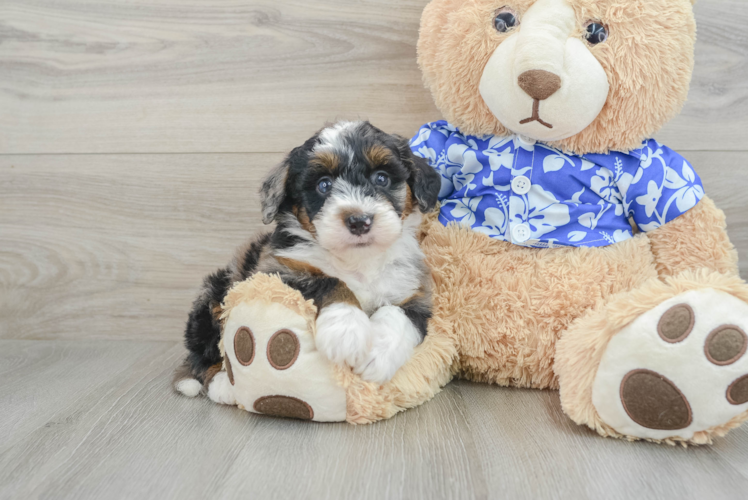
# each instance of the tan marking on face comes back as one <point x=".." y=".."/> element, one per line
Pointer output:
<point x="378" y="155"/>
<point x="298" y="266"/>
<point x="303" y="217"/>
<point x="327" y="160"/>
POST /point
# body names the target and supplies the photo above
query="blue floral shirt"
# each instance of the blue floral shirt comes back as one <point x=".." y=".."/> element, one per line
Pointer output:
<point x="532" y="195"/>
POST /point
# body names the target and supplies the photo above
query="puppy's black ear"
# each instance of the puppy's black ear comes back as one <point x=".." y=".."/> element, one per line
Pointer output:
<point x="273" y="190"/>
<point x="425" y="182"/>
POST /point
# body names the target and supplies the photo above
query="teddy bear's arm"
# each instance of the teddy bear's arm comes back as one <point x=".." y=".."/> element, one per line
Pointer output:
<point x="695" y="240"/>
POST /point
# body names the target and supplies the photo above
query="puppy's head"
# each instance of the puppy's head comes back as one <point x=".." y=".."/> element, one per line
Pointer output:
<point x="350" y="186"/>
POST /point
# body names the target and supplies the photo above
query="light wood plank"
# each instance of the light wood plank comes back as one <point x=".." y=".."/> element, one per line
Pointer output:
<point x="716" y="114"/>
<point x="135" y="438"/>
<point x="205" y="76"/>
<point x="530" y="449"/>
<point x="125" y="434"/>
<point x="116" y="246"/>
<point x="260" y="76"/>
<point x="40" y="381"/>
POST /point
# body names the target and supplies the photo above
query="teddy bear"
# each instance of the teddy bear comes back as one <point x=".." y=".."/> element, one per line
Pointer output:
<point x="570" y="250"/>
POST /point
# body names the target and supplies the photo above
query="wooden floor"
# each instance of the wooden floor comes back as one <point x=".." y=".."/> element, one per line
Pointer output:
<point x="133" y="136"/>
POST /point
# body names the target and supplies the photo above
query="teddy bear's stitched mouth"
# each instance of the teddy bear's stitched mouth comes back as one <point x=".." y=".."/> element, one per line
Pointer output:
<point x="536" y="115"/>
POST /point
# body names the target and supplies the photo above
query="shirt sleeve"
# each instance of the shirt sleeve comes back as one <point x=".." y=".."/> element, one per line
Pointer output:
<point x="430" y="143"/>
<point x="657" y="185"/>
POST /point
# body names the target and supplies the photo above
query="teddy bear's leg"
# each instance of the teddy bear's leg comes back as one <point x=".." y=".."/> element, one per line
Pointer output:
<point x="271" y="363"/>
<point x="664" y="362"/>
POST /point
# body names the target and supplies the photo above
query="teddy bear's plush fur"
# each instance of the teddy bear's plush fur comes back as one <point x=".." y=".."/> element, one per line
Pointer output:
<point x="547" y="317"/>
<point x="648" y="62"/>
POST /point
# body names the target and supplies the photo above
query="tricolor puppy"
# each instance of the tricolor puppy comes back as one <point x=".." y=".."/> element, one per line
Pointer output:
<point x="348" y="206"/>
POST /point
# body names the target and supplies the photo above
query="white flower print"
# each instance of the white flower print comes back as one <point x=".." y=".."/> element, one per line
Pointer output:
<point x="423" y="135"/>
<point x="555" y="162"/>
<point x="499" y="153"/>
<point x="544" y="212"/>
<point x="604" y="184"/>
<point x="576" y="236"/>
<point x="464" y="209"/>
<point x="427" y="154"/>
<point x="494" y="224"/>
<point x="651" y="199"/>
<point x="465" y="158"/>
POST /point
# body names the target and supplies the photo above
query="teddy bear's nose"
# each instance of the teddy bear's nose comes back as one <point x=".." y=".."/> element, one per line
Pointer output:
<point x="539" y="84"/>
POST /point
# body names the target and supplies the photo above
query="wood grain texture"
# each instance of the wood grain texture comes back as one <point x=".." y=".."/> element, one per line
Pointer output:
<point x="262" y="75"/>
<point x="134" y="438"/>
<point x="120" y="432"/>
<point x="116" y="246"/>
<point x="518" y="430"/>
<point x="99" y="248"/>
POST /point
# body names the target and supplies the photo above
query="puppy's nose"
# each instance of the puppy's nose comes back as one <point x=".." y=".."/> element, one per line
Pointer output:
<point x="539" y="84"/>
<point x="358" y="224"/>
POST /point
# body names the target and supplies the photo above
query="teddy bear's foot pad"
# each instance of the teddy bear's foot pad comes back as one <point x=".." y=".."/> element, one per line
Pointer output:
<point x="676" y="370"/>
<point x="273" y="365"/>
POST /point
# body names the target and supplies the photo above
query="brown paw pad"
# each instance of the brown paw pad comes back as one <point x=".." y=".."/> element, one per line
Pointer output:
<point x="283" y="349"/>
<point x="229" y="370"/>
<point x="244" y="346"/>
<point x="284" y="406"/>
<point x="654" y="402"/>
<point x="737" y="393"/>
<point x="676" y="323"/>
<point x="725" y="345"/>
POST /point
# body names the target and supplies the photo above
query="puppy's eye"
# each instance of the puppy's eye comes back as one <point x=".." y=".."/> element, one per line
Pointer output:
<point x="324" y="185"/>
<point x="381" y="179"/>
<point x="505" y="20"/>
<point x="596" y="33"/>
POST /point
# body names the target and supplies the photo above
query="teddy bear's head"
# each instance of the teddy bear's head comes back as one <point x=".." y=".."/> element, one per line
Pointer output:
<point x="582" y="75"/>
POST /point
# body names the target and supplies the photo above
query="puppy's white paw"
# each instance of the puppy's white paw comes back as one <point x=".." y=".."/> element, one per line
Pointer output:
<point x="189" y="387"/>
<point x="221" y="391"/>
<point x="393" y="337"/>
<point x="343" y="334"/>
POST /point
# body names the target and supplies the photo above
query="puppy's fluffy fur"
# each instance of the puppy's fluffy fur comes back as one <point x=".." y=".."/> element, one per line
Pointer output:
<point x="348" y="205"/>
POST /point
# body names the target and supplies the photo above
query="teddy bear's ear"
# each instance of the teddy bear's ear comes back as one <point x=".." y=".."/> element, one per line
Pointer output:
<point x="424" y="181"/>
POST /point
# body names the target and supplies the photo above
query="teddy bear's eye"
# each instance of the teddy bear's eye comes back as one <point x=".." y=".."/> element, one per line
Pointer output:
<point x="596" y="33"/>
<point x="505" y="20"/>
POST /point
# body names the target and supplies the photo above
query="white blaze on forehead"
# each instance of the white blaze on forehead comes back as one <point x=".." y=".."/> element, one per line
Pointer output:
<point x="333" y="138"/>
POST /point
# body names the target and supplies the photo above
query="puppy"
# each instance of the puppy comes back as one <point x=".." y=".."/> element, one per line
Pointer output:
<point x="348" y="206"/>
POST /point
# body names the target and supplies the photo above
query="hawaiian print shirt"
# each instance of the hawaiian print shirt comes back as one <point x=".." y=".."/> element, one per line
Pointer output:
<point x="532" y="195"/>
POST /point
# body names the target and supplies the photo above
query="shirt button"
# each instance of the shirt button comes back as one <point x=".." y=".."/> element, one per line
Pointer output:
<point x="521" y="185"/>
<point x="521" y="233"/>
<point x="526" y="141"/>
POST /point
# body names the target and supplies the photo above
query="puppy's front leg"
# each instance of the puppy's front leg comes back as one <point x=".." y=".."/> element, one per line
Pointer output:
<point x="343" y="328"/>
<point x="396" y="331"/>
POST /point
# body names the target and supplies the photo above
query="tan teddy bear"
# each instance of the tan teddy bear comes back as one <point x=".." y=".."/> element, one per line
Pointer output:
<point x="570" y="252"/>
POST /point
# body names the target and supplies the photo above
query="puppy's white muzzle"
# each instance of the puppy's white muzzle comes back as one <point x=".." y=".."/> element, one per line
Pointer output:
<point x="376" y="225"/>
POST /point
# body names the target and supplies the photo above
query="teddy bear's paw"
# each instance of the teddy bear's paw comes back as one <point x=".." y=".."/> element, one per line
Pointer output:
<point x="393" y="339"/>
<point x="274" y="367"/>
<point x="344" y="334"/>
<point x="677" y="370"/>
